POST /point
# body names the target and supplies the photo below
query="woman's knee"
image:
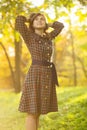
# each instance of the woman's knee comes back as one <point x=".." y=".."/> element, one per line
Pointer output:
<point x="33" y="115"/>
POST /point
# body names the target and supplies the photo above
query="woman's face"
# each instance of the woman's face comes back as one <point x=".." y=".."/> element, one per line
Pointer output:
<point x="39" y="22"/>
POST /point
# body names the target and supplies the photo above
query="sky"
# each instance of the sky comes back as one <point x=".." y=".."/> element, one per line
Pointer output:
<point x="36" y="2"/>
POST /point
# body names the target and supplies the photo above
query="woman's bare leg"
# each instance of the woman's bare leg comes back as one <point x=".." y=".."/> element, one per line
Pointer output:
<point x="32" y="122"/>
<point x="37" y="123"/>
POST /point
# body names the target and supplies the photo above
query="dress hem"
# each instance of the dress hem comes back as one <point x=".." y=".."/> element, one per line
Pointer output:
<point x="40" y="113"/>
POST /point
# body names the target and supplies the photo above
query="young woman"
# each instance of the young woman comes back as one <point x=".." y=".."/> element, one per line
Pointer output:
<point x="39" y="91"/>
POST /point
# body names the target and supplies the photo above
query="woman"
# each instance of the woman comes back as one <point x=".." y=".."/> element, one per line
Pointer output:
<point x="39" y="91"/>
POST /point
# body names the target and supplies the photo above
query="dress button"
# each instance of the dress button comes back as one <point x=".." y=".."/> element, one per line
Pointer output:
<point x="45" y="98"/>
<point x="50" y="66"/>
<point x="39" y="41"/>
<point x="46" y="86"/>
<point x="45" y="43"/>
<point x="48" y="47"/>
<point x="48" y="60"/>
<point x="47" y="76"/>
<point x="48" y="54"/>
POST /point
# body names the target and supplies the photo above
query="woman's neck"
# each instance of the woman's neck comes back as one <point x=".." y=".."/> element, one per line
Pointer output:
<point x="39" y="32"/>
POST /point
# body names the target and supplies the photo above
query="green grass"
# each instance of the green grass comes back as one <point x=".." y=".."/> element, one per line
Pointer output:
<point x="72" y="114"/>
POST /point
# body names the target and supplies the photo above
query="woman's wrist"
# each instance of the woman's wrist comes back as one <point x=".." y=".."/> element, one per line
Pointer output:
<point x="21" y="18"/>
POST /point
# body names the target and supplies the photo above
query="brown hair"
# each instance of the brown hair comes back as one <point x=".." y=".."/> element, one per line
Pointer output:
<point x="31" y="19"/>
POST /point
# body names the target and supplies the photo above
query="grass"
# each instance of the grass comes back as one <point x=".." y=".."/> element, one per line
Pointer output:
<point x="72" y="114"/>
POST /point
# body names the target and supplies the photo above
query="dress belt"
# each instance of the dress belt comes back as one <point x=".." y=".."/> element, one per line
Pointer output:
<point x="46" y="63"/>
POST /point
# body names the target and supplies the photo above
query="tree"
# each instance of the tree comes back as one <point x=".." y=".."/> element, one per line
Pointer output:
<point x="9" y="9"/>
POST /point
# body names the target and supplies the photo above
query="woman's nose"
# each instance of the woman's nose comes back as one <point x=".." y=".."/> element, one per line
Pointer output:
<point x="39" y="20"/>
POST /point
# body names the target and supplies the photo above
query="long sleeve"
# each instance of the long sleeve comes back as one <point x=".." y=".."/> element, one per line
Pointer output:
<point x="57" y="26"/>
<point x="21" y="27"/>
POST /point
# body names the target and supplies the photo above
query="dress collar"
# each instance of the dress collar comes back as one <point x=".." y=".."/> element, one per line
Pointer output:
<point x="44" y="35"/>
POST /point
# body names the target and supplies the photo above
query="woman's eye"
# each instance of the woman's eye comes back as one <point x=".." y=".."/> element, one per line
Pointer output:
<point x="42" y="19"/>
<point x="36" y="19"/>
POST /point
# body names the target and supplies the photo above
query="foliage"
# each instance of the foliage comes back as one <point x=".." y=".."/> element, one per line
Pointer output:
<point x="71" y="13"/>
<point x="72" y="112"/>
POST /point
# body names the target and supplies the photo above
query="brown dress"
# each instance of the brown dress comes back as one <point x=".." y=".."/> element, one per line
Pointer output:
<point x="39" y="90"/>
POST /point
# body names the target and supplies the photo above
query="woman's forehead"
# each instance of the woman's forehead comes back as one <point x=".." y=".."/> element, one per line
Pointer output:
<point x="40" y="16"/>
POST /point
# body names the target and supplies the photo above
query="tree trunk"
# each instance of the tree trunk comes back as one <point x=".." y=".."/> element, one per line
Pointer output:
<point x="83" y="66"/>
<point x="10" y="66"/>
<point x="73" y="60"/>
<point x="17" y="66"/>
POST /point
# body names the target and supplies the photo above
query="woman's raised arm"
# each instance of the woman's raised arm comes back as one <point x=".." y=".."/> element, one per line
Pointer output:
<point x="57" y="26"/>
<point x="22" y="28"/>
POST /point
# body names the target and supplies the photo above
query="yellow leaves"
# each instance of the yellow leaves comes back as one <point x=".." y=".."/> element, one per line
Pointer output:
<point x="17" y="36"/>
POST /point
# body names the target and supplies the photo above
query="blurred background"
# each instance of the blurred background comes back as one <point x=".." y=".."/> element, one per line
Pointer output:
<point x="70" y="58"/>
<point x="70" y="46"/>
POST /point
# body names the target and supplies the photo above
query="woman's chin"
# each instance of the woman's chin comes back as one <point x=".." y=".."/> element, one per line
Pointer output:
<point x="39" y="27"/>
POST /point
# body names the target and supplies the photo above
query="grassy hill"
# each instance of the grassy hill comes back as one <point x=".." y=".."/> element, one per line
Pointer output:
<point x="72" y="114"/>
